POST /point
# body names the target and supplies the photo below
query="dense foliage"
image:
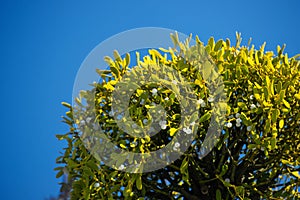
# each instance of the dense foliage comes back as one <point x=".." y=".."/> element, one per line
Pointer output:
<point x="256" y="157"/>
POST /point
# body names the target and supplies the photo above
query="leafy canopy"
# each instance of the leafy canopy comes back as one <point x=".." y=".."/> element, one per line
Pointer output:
<point x="257" y="155"/>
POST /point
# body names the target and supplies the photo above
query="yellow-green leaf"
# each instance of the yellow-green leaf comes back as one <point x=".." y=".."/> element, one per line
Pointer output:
<point x="275" y="114"/>
<point x="115" y="71"/>
<point x="66" y="105"/>
<point x="285" y="110"/>
<point x="218" y="45"/>
<point x="138" y="182"/>
<point x="268" y="82"/>
<point x="172" y="131"/>
<point x="211" y="43"/>
<point x="257" y="86"/>
<point x="273" y="143"/>
<point x="109" y="86"/>
<point x="127" y="60"/>
<point x="296" y="174"/>
<point x="285" y="162"/>
<point x="297" y="96"/>
<point x="281" y="123"/>
<point x="117" y="55"/>
<point x="59" y="174"/>
<point x="242" y="105"/>
<point x="268" y="125"/>
<point x="205" y="117"/>
<point x="250" y="61"/>
<point x="286" y="103"/>
<point x="286" y="59"/>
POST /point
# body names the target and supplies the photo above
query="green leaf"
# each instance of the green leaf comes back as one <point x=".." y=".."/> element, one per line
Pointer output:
<point x="138" y="182"/>
<point x="184" y="170"/>
<point x="240" y="190"/>
<point x="59" y="174"/>
<point x="256" y="94"/>
<point x="69" y="114"/>
<point x="224" y="170"/>
<point x="256" y="58"/>
<point x="58" y="168"/>
<point x="218" y="45"/>
<point x="227" y="42"/>
<point x="91" y="164"/>
<point x="281" y="96"/>
<point x="242" y="105"/>
<point x="218" y="195"/>
<point x="238" y="71"/>
<point x="87" y="172"/>
<point x="117" y="55"/>
<point x="211" y="43"/>
<point x="108" y="60"/>
<point x="268" y="125"/>
<point x="279" y="87"/>
<point x="115" y="71"/>
<point x="71" y="163"/>
<point x="275" y="115"/>
<point x="184" y="165"/>
<point x="266" y="93"/>
<point x="66" y="105"/>
<point x="205" y="117"/>
<point x="245" y="69"/>
<point x="60" y="137"/>
<point x="127" y="60"/>
<point x="273" y="143"/>
<point x="229" y="83"/>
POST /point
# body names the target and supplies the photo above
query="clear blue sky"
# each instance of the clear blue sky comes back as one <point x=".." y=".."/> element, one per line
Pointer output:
<point x="43" y="43"/>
